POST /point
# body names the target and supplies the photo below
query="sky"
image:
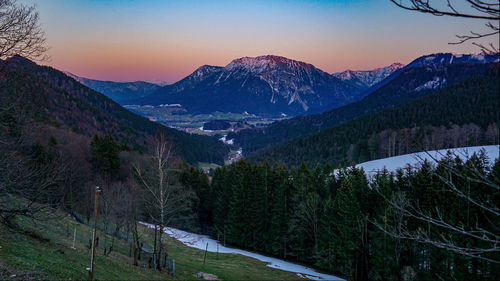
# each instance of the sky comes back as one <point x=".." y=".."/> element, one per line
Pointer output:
<point x="161" y="40"/>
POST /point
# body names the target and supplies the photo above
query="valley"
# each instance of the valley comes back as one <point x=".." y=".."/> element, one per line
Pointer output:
<point x="175" y="116"/>
<point x="250" y="140"/>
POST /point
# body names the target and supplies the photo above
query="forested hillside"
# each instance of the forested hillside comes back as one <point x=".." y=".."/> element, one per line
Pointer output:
<point x="347" y="224"/>
<point x="399" y="90"/>
<point x="463" y="114"/>
<point x="51" y="98"/>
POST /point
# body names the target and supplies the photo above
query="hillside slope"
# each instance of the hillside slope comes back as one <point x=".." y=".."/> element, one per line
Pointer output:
<point x="43" y="251"/>
<point x="464" y="114"/>
<point x="54" y="99"/>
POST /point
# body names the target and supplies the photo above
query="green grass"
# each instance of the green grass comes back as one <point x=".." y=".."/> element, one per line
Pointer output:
<point x="208" y="165"/>
<point x="226" y="266"/>
<point x="46" y="253"/>
<point x="50" y="255"/>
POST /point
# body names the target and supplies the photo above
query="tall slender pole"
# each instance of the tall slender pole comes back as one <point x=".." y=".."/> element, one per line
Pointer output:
<point x="205" y="256"/>
<point x="94" y="234"/>
<point x="74" y="239"/>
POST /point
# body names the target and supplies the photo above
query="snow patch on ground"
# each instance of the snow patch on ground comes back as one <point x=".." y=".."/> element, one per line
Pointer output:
<point x="415" y="159"/>
<point x="226" y="141"/>
<point x="200" y="242"/>
<point x="478" y="57"/>
<point x="201" y="129"/>
<point x="433" y="84"/>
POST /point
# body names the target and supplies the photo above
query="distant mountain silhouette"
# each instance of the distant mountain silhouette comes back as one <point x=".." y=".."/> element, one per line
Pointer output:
<point x="121" y="92"/>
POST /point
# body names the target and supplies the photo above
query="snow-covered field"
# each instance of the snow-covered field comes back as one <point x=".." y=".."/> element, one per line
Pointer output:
<point x="415" y="159"/>
<point x="200" y="242"/>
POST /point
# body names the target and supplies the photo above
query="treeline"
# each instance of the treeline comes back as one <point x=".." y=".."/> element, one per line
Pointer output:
<point x="399" y="90"/>
<point x="390" y="143"/>
<point x="467" y="110"/>
<point x="353" y="226"/>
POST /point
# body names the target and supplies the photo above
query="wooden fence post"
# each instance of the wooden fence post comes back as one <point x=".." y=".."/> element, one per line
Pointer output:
<point x="94" y="233"/>
<point x="205" y="257"/>
<point x="74" y="239"/>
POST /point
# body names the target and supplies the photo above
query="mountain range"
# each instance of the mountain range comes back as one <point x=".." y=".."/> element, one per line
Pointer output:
<point x="273" y="85"/>
<point x="464" y="113"/>
<point x="265" y="85"/>
<point x="422" y="77"/>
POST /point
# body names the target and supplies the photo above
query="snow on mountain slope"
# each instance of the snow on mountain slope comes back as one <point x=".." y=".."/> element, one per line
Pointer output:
<point x="435" y="63"/>
<point x="198" y="241"/>
<point x="432" y="63"/>
<point x="449" y="58"/>
<point x="436" y="83"/>
<point x="262" y="63"/>
<point x="415" y="159"/>
<point x="368" y="78"/>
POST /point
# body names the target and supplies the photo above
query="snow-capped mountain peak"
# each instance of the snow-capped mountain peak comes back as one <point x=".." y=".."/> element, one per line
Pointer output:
<point x="203" y="70"/>
<point x="395" y="66"/>
<point x="261" y="63"/>
<point x="368" y="78"/>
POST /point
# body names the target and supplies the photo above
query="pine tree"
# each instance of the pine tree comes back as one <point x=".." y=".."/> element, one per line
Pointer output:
<point x="347" y="232"/>
<point x="239" y="231"/>
<point x="222" y="192"/>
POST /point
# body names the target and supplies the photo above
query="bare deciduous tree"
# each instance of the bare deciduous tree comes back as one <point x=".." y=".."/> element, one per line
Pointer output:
<point x="20" y="32"/>
<point x="482" y="239"/>
<point x="117" y="203"/>
<point x="28" y="188"/>
<point x="484" y="10"/>
<point x="131" y="213"/>
<point x="163" y="199"/>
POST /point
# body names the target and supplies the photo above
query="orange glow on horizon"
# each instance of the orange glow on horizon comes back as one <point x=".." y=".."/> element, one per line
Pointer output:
<point x="167" y="40"/>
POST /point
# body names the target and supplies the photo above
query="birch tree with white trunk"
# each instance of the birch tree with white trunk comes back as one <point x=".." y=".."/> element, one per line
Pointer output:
<point x="163" y="197"/>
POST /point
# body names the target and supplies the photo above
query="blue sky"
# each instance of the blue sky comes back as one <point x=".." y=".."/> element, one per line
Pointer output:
<point x="166" y="40"/>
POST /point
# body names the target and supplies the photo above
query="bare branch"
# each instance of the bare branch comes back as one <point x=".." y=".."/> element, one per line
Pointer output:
<point x="20" y="32"/>
<point x="485" y="10"/>
<point x="488" y="11"/>
<point x="479" y="239"/>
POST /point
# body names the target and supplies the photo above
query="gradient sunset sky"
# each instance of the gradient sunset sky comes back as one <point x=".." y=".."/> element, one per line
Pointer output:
<point x="158" y="40"/>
